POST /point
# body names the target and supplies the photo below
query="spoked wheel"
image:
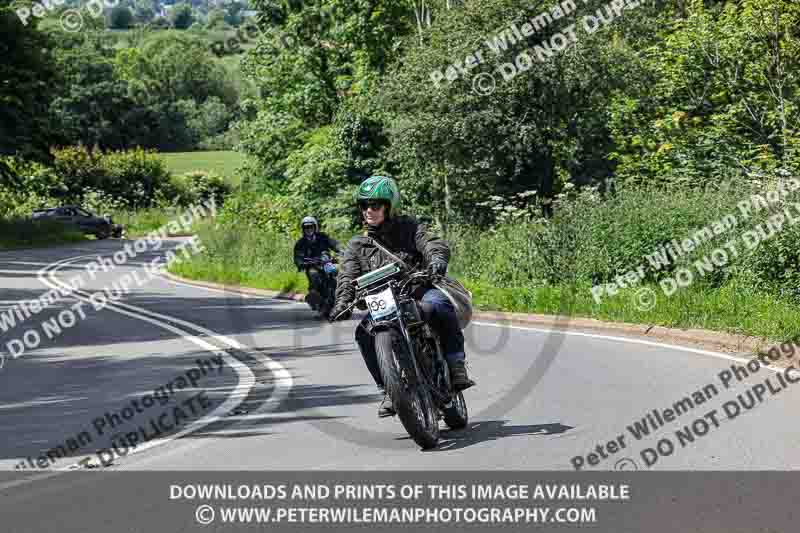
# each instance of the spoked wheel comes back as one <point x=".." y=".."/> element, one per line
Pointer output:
<point x="411" y="397"/>
<point x="455" y="414"/>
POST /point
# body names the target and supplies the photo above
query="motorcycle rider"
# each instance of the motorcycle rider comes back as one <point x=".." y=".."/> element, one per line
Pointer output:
<point x="378" y="198"/>
<point x="312" y="245"/>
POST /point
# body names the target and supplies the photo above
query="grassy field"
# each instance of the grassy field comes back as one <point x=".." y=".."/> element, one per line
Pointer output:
<point x="223" y="163"/>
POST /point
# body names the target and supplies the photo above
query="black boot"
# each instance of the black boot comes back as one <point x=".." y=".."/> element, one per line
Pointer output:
<point x="386" y="408"/>
<point x="459" y="377"/>
<point x="313" y="299"/>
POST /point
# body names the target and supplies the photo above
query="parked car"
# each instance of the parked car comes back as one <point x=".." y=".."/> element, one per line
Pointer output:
<point x="86" y="222"/>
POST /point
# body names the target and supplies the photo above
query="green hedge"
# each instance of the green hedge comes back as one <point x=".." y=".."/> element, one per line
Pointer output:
<point x="134" y="177"/>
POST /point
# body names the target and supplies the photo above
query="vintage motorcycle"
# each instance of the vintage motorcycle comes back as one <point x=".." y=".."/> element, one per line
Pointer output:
<point x="409" y="352"/>
<point x="324" y="267"/>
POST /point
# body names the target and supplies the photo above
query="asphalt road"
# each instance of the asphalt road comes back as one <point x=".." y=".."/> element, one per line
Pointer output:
<point x="289" y="392"/>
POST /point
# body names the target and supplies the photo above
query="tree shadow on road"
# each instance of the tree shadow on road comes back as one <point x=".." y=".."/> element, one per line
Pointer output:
<point x="489" y="430"/>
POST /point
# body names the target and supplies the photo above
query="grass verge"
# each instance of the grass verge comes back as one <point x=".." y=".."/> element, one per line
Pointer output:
<point x="22" y="233"/>
<point x="143" y="221"/>
<point x="260" y="260"/>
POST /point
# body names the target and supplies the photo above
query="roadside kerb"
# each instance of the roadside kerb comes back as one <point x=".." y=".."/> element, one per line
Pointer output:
<point x="731" y="343"/>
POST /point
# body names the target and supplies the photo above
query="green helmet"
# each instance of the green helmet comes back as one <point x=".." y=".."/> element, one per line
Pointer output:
<point x="379" y="188"/>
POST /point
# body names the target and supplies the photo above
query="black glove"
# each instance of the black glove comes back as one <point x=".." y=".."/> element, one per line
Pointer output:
<point x="437" y="268"/>
<point x="337" y="310"/>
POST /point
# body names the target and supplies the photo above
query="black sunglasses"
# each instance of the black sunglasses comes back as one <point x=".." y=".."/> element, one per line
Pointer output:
<point x="372" y="204"/>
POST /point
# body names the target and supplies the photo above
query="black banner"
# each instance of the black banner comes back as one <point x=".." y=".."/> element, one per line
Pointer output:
<point x="161" y="502"/>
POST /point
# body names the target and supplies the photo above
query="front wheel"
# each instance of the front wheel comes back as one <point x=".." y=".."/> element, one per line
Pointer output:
<point x="411" y="397"/>
<point x="455" y="414"/>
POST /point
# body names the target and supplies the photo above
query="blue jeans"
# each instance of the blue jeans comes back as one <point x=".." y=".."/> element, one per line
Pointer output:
<point x="442" y="319"/>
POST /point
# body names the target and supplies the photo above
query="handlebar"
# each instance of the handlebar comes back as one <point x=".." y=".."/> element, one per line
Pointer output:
<point x="417" y="275"/>
<point x="318" y="260"/>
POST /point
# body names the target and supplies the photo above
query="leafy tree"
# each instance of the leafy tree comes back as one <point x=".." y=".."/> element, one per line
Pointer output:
<point x="93" y="108"/>
<point x="144" y="12"/>
<point x="216" y="19"/>
<point x="310" y="60"/>
<point x="175" y="66"/>
<point x="30" y="82"/>
<point x="181" y="16"/>
<point x="120" y="18"/>
<point x="721" y="103"/>
<point x="233" y="14"/>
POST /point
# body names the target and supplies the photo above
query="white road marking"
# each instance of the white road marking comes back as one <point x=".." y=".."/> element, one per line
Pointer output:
<point x="246" y="377"/>
<point x="628" y="340"/>
<point x="282" y="382"/>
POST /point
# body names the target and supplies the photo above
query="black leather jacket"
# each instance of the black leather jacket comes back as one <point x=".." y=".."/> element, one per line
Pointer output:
<point x="404" y="236"/>
<point x="307" y="248"/>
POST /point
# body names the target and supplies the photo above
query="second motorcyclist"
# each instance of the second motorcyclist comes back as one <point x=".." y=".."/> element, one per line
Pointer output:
<point x="311" y="246"/>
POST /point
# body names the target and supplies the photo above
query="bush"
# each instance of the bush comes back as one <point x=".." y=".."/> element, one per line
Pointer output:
<point x="200" y="186"/>
<point x="273" y="213"/>
<point x="774" y="266"/>
<point x="591" y="240"/>
<point x="31" y="177"/>
<point x="27" y="185"/>
<point x="132" y="177"/>
<point x="100" y="202"/>
<point x="16" y="203"/>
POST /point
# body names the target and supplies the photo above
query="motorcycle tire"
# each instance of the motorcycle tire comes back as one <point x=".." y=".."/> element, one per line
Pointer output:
<point x="455" y="414"/>
<point x="412" y="400"/>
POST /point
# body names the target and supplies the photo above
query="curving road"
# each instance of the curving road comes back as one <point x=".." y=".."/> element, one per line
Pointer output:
<point x="273" y="388"/>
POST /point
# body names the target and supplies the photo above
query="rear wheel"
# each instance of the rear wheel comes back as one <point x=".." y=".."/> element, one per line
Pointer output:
<point x="411" y="398"/>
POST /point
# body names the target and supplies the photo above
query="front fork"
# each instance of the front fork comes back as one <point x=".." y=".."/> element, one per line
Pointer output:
<point x="409" y="370"/>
